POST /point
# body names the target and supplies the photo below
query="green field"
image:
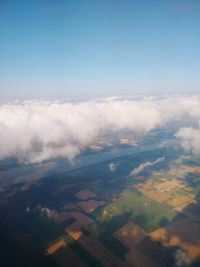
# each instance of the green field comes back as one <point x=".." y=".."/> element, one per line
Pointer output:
<point x="149" y="214"/>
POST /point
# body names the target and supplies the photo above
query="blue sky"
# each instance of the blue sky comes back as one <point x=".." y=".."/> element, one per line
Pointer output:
<point x="55" y="49"/>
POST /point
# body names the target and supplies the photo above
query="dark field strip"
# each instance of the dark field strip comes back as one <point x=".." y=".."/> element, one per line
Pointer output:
<point x="84" y="254"/>
<point x="113" y="244"/>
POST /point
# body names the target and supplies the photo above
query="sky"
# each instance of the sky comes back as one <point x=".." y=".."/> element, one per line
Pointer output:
<point x="79" y="48"/>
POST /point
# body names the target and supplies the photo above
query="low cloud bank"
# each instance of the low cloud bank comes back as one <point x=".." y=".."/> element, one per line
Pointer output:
<point x="34" y="131"/>
<point x="190" y="139"/>
<point x="145" y="165"/>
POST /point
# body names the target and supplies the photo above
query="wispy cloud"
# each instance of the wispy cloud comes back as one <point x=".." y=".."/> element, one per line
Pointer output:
<point x="145" y="165"/>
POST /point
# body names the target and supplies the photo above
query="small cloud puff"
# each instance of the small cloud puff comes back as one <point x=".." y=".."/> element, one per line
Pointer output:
<point x="112" y="167"/>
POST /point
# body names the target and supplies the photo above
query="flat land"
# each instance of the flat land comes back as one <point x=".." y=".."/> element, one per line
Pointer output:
<point x="130" y="234"/>
<point x="149" y="189"/>
<point x="90" y="205"/>
<point x="80" y="219"/>
<point x="193" y="210"/>
<point x="64" y="256"/>
<point x="85" y="194"/>
<point x="53" y="248"/>
<point x="107" y="218"/>
<point x="158" y="253"/>
<point x="70" y="207"/>
<point x="146" y="212"/>
<point x="184" y="233"/>
<point x="138" y="259"/>
<point x="163" y="190"/>
<point x="101" y="253"/>
<point x="182" y="202"/>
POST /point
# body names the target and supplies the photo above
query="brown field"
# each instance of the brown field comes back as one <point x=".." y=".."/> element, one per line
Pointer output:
<point x="152" y="249"/>
<point x="85" y="194"/>
<point x="101" y="253"/>
<point x="64" y="256"/>
<point x="156" y="195"/>
<point x="90" y="205"/>
<point x="152" y="190"/>
<point x="160" y="191"/>
<point x="130" y="234"/>
<point x="69" y="207"/>
<point x="138" y="259"/>
<point x="81" y="219"/>
<point x="184" y="233"/>
<point x="169" y="185"/>
<point x="190" y="169"/>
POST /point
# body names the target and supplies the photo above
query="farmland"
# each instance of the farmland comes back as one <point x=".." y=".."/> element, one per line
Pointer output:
<point x="145" y="211"/>
<point x="96" y="217"/>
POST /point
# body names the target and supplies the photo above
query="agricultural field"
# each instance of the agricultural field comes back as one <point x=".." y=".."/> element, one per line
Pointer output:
<point x="96" y="217"/>
<point x="85" y="194"/>
<point x="184" y="233"/>
<point x="172" y="190"/>
<point x="64" y="256"/>
<point x="80" y="219"/>
<point x="90" y="205"/>
<point x="130" y="234"/>
<point x="146" y="212"/>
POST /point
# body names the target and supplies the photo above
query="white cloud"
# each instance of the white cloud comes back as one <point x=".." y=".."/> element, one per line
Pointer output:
<point x="34" y="131"/>
<point x="190" y="139"/>
<point x="145" y="165"/>
<point x="112" y="167"/>
<point x="43" y="211"/>
<point x="48" y="212"/>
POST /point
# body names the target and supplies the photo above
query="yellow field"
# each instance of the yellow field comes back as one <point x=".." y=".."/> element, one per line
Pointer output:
<point x="182" y="201"/>
<point x="153" y="190"/>
<point x="161" y="191"/>
<point x="169" y="185"/>
<point x="55" y="247"/>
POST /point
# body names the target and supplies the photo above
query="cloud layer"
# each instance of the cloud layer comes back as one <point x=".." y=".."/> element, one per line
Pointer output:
<point x="190" y="139"/>
<point x="34" y="131"/>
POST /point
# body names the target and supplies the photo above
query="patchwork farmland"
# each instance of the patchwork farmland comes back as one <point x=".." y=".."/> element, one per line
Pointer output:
<point x="99" y="218"/>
